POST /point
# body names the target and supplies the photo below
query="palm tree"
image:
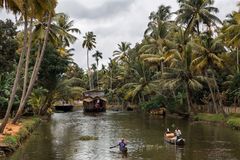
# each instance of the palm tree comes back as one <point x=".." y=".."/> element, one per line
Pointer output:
<point x="155" y="44"/>
<point x="26" y="8"/>
<point x="179" y="75"/>
<point x="49" y="11"/>
<point x="206" y="51"/>
<point x="142" y="85"/>
<point x="231" y="34"/>
<point x="121" y="53"/>
<point x="194" y="12"/>
<point x="89" y="42"/>
<point x="97" y="55"/>
<point x="66" y="27"/>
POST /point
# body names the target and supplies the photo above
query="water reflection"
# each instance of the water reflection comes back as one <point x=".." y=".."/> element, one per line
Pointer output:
<point x="60" y="139"/>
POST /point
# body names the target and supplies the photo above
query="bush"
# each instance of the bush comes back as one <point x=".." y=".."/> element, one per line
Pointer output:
<point x="209" y="117"/>
<point x="156" y="102"/>
<point x="234" y="122"/>
<point x="11" y="140"/>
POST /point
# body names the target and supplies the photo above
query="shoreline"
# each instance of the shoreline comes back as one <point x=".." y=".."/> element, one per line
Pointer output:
<point x="15" y="135"/>
<point x="231" y="121"/>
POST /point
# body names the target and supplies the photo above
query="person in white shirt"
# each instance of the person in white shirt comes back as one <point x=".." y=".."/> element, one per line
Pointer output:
<point x="178" y="133"/>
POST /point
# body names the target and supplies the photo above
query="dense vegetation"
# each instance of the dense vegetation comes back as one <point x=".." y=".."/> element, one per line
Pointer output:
<point x="182" y="63"/>
<point x="191" y="61"/>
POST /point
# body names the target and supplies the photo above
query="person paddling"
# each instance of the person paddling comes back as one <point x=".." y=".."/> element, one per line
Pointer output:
<point x="122" y="146"/>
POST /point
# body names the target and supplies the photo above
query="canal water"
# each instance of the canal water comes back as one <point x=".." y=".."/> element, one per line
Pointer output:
<point x="59" y="139"/>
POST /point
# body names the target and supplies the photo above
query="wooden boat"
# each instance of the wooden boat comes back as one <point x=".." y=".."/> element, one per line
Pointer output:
<point x="94" y="101"/>
<point x="172" y="139"/>
<point x="64" y="107"/>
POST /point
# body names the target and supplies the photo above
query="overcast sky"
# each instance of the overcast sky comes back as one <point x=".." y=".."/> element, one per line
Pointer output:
<point x="114" y="21"/>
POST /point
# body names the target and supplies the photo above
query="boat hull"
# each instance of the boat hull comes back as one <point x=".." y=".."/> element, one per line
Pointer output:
<point x="94" y="109"/>
<point x="174" y="140"/>
<point x="64" y="108"/>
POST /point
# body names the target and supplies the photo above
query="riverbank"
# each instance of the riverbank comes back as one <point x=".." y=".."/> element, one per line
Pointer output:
<point x="232" y="121"/>
<point x="14" y="135"/>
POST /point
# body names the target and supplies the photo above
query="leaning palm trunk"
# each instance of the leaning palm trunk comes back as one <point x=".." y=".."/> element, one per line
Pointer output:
<point x="27" y="61"/>
<point x="220" y="99"/>
<point x="237" y="61"/>
<point x="189" y="101"/>
<point x="34" y="74"/>
<point x="212" y="95"/>
<point x="17" y="77"/>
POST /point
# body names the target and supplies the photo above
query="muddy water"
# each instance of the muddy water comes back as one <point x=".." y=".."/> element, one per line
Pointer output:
<point x="59" y="139"/>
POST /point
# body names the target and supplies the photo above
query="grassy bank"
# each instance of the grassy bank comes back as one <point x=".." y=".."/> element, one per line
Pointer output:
<point x="233" y="120"/>
<point x="13" y="138"/>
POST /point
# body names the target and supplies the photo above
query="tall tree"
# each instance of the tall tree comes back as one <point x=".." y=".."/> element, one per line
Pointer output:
<point x="49" y="11"/>
<point x="21" y="7"/>
<point x="121" y="54"/>
<point x="89" y="42"/>
<point x="97" y="55"/>
<point x="194" y="12"/>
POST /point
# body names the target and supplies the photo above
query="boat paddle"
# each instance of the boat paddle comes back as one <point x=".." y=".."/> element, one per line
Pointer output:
<point x="113" y="147"/>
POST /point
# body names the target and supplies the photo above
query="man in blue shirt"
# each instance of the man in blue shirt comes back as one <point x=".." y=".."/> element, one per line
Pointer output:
<point x="122" y="145"/>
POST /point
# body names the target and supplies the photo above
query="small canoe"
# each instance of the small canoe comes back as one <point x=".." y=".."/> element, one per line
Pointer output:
<point x="172" y="139"/>
<point x="64" y="107"/>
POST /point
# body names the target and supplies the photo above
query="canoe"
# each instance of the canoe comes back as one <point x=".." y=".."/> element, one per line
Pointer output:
<point x="64" y="107"/>
<point x="172" y="139"/>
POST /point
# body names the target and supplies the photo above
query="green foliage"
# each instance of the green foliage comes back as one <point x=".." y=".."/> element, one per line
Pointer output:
<point x="6" y="81"/>
<point x="209" y="117"/>
<point x="37" y="99"/>
<point x="11" y="140"/>
<point x="52" y="68"/>
<point x="156" y="102"/>
<point x="234" y="122"/>
<point x="8" y="46"/>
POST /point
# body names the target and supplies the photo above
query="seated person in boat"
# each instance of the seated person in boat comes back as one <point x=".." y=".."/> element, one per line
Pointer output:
<point x="178" y="133"/>
<point x="169" y="134"/>
<point x="122" y="145"/>
<point x="97" y="105"/>
<point x="167" y="131"/>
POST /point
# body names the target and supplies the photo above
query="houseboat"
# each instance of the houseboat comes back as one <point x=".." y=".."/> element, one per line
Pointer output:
<point x="94" y="101"/>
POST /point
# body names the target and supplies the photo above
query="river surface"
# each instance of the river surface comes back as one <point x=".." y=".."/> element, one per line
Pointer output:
<point x="59" y="139"/>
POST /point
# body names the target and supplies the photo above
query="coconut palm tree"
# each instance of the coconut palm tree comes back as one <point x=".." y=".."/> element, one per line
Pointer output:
<point x="97" y="55"/>
<point x="24" y="7"/>
<point x="49" y="11"/>
<point x="141" y="85"/>
<point x="207" y="51"/>
<point x="63" y="23"/>
<point x="194" y="12"/>
<point x="120" y="55"/>
<point x="231" y="34"/>
<point x="179" y="75"/>
<point x="89" y="42"/>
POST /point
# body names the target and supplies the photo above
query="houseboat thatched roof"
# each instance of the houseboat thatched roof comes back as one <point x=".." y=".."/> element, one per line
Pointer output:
<point x="93" y="94"/>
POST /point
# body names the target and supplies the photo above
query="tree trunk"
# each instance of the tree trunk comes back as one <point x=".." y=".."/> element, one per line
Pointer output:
<point x="34" y="74"/>
<point x="97" y="80"/>
<point x="89" y="74"/>
<point x="212" y="95"/>
<point x="220" y="99"/>
<point x="15" y="85"/>
<point x="162" y="68"/>
<point x="189" y="101"/>
<point x="46" y="105"/>
<point x="27" y="61"/>
<point x="237" y="61"/>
